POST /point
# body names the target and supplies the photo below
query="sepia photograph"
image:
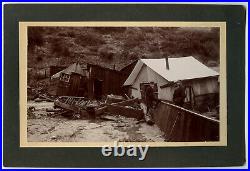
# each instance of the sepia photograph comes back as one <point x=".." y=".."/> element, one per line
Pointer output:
<point x="159" y="83"/>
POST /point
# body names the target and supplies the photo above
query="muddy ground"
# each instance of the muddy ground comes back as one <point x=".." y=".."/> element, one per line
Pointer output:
<point x="46" y="127"/>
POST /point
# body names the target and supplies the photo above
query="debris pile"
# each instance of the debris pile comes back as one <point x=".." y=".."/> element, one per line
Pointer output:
<point x="113" y="105"/>
<point x="81" y="119"/>
<point x="82" y="107"/>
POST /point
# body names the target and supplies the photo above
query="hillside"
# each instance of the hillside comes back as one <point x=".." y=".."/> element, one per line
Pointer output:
<point x="109" y="46"/>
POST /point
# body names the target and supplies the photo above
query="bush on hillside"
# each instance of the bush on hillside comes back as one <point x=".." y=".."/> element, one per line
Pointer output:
<point x="89" y="39"/>
<point x="60" y="48"/>
<point x="35" y="37"/>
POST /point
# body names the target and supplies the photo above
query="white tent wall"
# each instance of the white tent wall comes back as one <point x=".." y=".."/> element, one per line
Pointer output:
<point x="204" y="85"/>
<point x="200" y="86"/>
<point x="146" y="75"/>
<point x="163" y="93"/>
<point x="142" y="77"/>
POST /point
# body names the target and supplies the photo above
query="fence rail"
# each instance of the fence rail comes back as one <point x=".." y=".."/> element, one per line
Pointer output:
<point x="182" y="125"/>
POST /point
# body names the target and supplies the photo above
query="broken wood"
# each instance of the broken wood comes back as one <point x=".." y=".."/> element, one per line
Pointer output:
<point x="140" y="121"/>
<point x="127" y="96"/>
<point x="39" y="100"/>
<point x="91" y="112"/>
<point x="114" y="99"/>
<point x="63" y="113"/>
<point x="108" y="118"/>
<point x="100" y="110"/>
<point x="65" y="106"/>
<point x="53" y="110"/>
<point x="127" y="102"/>
<point x="125" y="111"/>
<point x="46" y="98"/>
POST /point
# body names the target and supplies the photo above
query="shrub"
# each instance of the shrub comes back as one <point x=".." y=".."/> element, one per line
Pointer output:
<point x="59" y="47"/>
<point x="89" y="39"/>
<point x="35" y="37"/>
<point x="106" y="54"/>
<point x="39" y="58"/>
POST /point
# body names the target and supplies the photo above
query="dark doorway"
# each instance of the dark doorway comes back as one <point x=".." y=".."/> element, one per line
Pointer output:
<point x="98" y="89"/>
<point x="143" y="87"/>
<point x="75" y="81"/>
<point x="190" y="98"/>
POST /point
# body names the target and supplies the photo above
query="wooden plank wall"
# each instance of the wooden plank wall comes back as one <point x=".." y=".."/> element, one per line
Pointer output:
<point x="182" y="125"/>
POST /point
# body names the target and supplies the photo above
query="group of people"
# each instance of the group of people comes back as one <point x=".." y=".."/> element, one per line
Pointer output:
<point x="178" y="96"/>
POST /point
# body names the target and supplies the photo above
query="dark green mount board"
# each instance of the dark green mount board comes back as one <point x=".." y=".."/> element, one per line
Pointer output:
<point x="231" y="155"/>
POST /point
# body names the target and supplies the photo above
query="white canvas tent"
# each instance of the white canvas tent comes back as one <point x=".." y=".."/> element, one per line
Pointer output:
<point x="167" y="70"/>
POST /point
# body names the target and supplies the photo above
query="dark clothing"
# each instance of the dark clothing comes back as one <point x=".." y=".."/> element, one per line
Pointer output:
<point x="150" y="98"/>
<point x="179" y="96"/>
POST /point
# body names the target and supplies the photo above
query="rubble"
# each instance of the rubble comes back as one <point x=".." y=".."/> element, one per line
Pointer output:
<point x="53" y="127"/>
<point x="92" y="108"/>
<point x="127" y="111"/>
<point x="109" y="109"/>
<point x="30" y="111"/>
<point x="114" y="99"/>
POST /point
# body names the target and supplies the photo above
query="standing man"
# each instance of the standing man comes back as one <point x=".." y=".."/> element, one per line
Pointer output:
<point x="179" y="94"/>
<point x="149" y="96"/>
<point x="150" y="100"/>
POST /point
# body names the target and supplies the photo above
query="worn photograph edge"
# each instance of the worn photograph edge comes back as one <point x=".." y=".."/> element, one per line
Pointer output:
<point x="23" y="83"/>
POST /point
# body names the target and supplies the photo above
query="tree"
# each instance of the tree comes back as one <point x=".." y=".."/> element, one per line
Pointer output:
<point x="35" y="37"/>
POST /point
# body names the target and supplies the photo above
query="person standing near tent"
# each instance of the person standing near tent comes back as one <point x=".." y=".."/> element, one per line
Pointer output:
<point x="179" y="94"/>
<point x="150" y="98"/>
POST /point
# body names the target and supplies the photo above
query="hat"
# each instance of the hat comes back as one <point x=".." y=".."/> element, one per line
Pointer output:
<point x="178" y="82"/>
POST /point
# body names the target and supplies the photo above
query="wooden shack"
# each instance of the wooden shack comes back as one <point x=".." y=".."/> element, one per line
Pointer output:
<point x="93" y="81"/>
<point x="125" y="72"/>
<point x="71" y="81"/>
<point x="103" y="81"/>
<point x="55" y="69"/>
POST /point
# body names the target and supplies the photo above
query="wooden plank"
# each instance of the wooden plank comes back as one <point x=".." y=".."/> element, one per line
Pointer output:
<point x="190" y="126"/>
<point x="125" y="111"/>
<point x="65" y="106"/>
<point x="114" y="99"/>
<point x="127" y="102"/>
<point x="100" y="110"/>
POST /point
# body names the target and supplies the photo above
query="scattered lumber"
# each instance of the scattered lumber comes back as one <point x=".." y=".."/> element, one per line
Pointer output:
<point x="114" y="99"/>
<point x="100" y="110"/>
<point x="46" y="98"/>
<point x="115" y="105"/>
<point x="53" y="110"/>
<point x="127" y="102"/>
<point x="108" y="118"/>
<point x="125" y="111"/>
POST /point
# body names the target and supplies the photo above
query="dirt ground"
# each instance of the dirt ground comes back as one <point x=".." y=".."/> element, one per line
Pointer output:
<point x="46" y="128"/>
